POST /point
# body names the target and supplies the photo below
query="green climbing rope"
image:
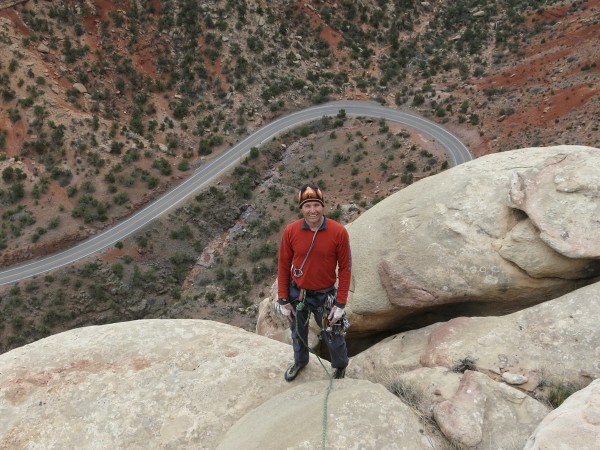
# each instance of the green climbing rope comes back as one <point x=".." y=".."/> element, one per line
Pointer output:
<point x="300" y="307"/>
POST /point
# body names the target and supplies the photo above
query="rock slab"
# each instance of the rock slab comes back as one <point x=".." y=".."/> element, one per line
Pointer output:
<point x="149" y="384"/>
<point x="574" y="424"/>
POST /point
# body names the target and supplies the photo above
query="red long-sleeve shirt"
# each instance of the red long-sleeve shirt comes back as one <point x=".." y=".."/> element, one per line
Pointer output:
<point x="331" y="250"/>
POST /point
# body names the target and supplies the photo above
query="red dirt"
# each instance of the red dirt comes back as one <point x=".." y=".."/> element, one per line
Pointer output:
<point x="15" y="135"/>
<point x="12" y="14"/>
<point x="560" y="104"/>
<point x="114" y="255"/>
<point x="143" y="62"/>
<point x="547" y="62"/>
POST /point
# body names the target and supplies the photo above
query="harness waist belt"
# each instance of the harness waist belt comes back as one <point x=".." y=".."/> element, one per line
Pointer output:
<point x="316" y="291"/>
<point x="319" y="291"/>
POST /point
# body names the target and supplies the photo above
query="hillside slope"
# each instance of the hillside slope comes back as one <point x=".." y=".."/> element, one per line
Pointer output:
<point x="106" y="104"/>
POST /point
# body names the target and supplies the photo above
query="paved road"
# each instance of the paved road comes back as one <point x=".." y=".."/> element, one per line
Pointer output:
<point x="456" y="150"/>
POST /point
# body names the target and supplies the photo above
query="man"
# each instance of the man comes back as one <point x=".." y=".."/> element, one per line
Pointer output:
<point x="311" y="249"/>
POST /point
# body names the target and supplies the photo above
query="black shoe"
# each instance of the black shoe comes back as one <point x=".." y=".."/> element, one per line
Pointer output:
<point x="292" y="372"/>
<point x="339" y="373"/>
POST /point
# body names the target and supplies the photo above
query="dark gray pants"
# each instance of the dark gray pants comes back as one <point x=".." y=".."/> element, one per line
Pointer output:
<point x="336" y="343"/>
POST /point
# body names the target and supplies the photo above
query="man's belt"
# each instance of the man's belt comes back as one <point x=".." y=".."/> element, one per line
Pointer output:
<point x="320" y="291"/>
<point x="316" y="291"/>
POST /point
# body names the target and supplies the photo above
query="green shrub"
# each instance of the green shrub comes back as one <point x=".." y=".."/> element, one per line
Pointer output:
<point x="184" y="232"/>
<point x="266" y="250"/>
<point x="558" y="393"/>
<point x="117" y="269"/>
<point x="163" y="166"/>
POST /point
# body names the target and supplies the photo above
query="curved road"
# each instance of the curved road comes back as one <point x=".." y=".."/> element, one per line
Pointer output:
<point x="456" y="150"/>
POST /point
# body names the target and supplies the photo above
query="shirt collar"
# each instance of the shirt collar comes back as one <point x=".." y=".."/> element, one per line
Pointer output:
<point x="322" y="227"/>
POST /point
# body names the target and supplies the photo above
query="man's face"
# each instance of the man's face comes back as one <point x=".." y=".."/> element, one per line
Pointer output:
<point x="312" y="212"/>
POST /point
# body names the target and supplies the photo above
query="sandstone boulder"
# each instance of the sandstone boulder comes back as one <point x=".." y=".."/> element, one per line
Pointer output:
<point x="139" y="385"/>
<point x="574" y="424"/>
<point x="561" y="196"/>
<point x="433" y="249"/>
<point x="360" y="415"/>
<point x="80" y="88"/>
<point x="471" y="409"/>
<point x="524" y="247"/>
<point x="154" y="384"/>
<point x="543" y="349"/>
<point x="548" y="344"/>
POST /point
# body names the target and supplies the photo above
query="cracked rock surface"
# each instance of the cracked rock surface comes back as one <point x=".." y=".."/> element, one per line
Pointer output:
<point x="473" y="241"/>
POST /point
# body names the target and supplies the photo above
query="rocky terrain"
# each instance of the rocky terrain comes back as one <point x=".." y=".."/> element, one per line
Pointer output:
<point x="107" y="104"/>
<point x="527" y="379"/>
<point x="491" y="236"/>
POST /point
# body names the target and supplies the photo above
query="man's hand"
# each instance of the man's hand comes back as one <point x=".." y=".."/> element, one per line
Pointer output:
<point x="335" y="314"/>
<point x="288" y="311"/>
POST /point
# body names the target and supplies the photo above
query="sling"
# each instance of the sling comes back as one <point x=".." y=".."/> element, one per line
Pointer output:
<point x="297" y="272"/>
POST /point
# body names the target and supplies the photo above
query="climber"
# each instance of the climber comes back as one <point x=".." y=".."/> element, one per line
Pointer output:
<point x="311" y="249"/>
